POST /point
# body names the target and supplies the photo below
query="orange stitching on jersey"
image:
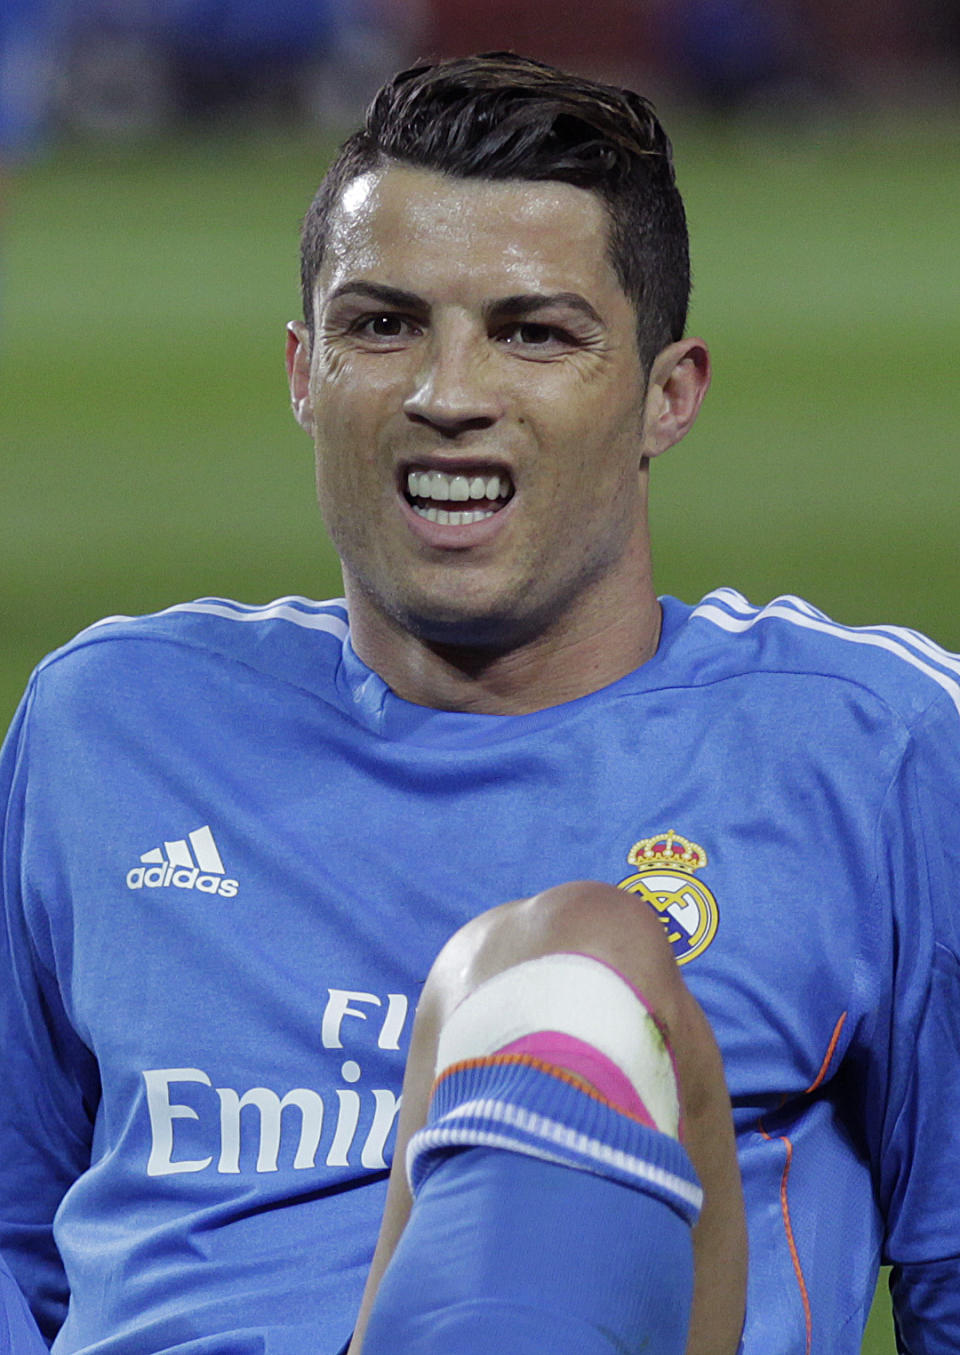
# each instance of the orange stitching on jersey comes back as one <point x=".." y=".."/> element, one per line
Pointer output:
<point x="788" y="1228"/>
<point x="831" y="1050"/>
<point x="784" y="1200"/>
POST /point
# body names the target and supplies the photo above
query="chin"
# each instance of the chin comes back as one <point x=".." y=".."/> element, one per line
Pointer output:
<point x="456" y="626"/>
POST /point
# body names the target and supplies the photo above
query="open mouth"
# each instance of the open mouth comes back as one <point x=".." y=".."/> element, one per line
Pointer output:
<point x="457" y="498"/>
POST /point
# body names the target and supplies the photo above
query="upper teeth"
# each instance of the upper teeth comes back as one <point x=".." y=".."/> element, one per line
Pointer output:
<point x="437" y="484"/>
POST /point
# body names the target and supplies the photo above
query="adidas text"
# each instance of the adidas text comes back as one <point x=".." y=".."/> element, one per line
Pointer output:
<point x="181" y="877"/>
<point x="191" y="862"/>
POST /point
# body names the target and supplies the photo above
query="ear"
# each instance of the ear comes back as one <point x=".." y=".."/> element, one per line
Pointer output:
<point x="298" y="373"/>
<point x="679" y="379"/>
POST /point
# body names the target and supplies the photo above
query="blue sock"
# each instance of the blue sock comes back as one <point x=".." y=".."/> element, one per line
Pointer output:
<point x="544" y="1220"/>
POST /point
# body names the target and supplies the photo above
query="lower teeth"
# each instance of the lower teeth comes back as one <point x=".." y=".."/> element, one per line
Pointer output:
<point x="452" y="517"/>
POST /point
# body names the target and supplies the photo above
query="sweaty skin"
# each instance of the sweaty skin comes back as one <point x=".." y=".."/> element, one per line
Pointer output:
<point x="478" y="329"/>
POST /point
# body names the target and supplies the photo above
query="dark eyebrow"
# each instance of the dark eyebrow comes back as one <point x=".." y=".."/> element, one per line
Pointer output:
<point x="377" y="291"/>
<point x="529" y="303"/>
<point x="523" y="303"/>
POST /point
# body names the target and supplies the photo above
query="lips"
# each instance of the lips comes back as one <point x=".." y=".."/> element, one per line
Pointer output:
<point x="437" y="495"/>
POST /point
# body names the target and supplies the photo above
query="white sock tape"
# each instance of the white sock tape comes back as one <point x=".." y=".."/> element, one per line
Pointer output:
<point x="578" y="996"/>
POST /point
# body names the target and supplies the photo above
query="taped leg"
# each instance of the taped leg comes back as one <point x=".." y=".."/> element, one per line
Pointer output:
<point x="569" y="1099"/>
<point x="552" y="1197"/>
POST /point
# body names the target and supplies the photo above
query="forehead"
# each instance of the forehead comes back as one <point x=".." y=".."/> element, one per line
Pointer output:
<point x="428" y="230"/>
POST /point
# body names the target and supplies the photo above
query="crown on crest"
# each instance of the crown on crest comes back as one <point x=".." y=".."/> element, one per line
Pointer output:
<point x="667" y="849"/>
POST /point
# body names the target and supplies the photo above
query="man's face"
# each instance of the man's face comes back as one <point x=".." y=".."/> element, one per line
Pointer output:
<point x="476" y="401"/>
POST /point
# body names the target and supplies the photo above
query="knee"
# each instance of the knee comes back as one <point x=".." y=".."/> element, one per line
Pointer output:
<point x="599" y="921"/>
<point x="584" y="916"/>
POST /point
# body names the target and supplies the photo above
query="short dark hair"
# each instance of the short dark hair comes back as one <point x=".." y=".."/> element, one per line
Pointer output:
<point x="503" y="116"/>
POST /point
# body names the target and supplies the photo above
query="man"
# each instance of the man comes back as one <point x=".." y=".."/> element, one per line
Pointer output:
<point x="237" y="837"/>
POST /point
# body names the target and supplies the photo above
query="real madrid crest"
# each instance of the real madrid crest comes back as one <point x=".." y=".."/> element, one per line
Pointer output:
<point x="665" y="879"/>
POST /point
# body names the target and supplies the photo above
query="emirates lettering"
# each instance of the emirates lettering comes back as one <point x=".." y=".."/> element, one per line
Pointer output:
<point x="324" y="1128"/>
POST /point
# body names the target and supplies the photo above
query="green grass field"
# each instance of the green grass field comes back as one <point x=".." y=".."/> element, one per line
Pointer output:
<point x="148" y="454"/>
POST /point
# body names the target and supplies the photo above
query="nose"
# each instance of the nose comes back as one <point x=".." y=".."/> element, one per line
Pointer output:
<point x="454" y="390"/>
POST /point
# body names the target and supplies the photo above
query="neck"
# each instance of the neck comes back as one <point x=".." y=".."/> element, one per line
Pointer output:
<point x="555" y="666"/>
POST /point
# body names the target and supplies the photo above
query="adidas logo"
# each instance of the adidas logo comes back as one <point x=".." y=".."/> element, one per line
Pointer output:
<point x="192" y="862"/>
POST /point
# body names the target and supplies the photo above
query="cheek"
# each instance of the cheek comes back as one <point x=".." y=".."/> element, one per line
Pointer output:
<point x="352" y="397"/>
<point x="342" y="416"/>
<point x="593" y="449"/>
<point x="352" y="475"/>
<point x="343" y="479"/>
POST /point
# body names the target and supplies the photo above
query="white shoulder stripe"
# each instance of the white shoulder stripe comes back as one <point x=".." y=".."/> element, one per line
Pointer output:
<point x="922" y="643"/>
<point x="909" y="638"/>
<point x="893" y="639"/>
<point x="279" y="610"/>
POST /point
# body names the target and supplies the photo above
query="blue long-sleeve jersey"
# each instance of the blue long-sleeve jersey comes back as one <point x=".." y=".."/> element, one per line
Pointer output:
<point x="231" y="853"/>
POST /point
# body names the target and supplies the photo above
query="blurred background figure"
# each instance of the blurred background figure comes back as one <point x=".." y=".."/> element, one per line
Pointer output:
<point x="611" y="37"/>
<point x="129" y="69"/>
<point x="30" y="32"/>
<point x="29" y="43"/>
<point x="732" y="54"/>
<point x="141" y="67"/>
<point x="223" y="54"/>
<point x="722" y="56"/>
<point x="29" y="37"/>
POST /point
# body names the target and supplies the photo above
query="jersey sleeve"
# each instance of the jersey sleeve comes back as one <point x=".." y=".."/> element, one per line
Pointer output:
<point x="50" y="1078"/>
<point x="919" y="1173"/>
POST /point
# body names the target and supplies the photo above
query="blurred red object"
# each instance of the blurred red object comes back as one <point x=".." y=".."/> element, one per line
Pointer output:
<point x="602" y="38"/>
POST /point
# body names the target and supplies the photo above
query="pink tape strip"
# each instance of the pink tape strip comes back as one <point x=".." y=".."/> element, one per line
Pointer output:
<point x="576" y="1056"/>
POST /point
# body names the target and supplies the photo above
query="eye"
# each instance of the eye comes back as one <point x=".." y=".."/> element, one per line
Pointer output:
<point x="534" y="336"/>
<point x="384" y="326"/>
